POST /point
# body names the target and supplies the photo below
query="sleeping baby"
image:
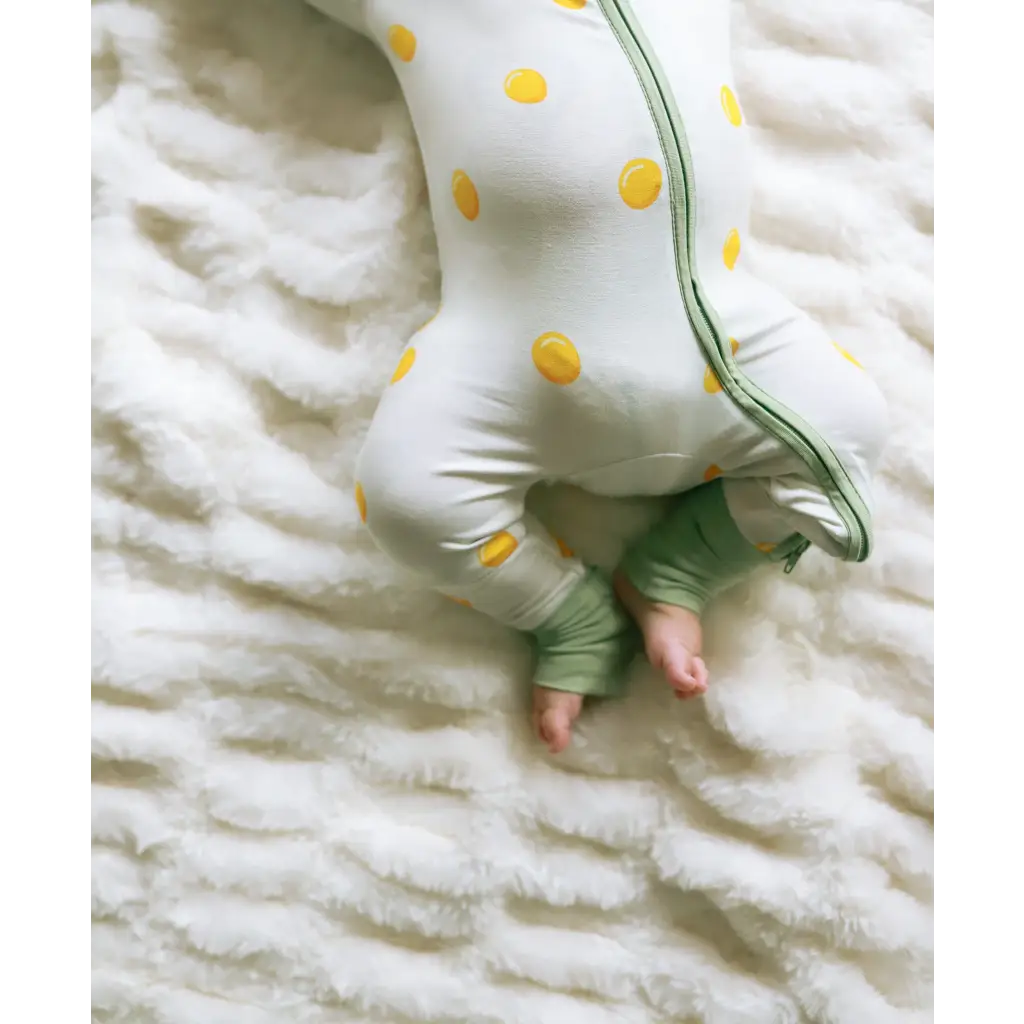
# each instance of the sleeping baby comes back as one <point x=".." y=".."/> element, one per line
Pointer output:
<point x="589" y="177"/>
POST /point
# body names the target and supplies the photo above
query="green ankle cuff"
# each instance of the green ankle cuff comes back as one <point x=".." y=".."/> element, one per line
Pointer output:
<point x="588" y="644"/>
<point x="696" y="551"/>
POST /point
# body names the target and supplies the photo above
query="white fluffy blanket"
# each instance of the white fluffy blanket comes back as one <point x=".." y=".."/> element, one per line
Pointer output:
<point x="316" y="796"/>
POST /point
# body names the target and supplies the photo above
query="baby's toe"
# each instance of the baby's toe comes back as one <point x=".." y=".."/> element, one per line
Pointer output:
<point x="554" y="713"/>
<point x="700" y="671"/>
<point x="686" y="675"/>
<point x="556" y="729"/>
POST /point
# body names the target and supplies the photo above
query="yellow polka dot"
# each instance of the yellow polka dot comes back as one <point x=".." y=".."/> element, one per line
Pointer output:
<point x="846" y="355"/>
<point x="766" y="549"/>
<point x="640" y="183"/>
<point x="464" y="192"/>
<point x="404" y="365"/>
<point x="556" y="358"/>
<point x="712" y="384"/>
<point x="459" y="600"/>
<point x="731" y="107"/>
<point x="711" y="473"/>
<point x="361" y="501"/>
<point x="731" y="251"/>
<point x="573" y="5"/>
<point x="498" y="549"/>
<point x="402" y="43"/>
<point x="526" y="86"/>
<point x="567" y="552"/>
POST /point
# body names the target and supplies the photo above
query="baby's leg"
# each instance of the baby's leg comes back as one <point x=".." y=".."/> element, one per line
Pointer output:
<point x="444" y="496"/>
<point x="711" y="538"/>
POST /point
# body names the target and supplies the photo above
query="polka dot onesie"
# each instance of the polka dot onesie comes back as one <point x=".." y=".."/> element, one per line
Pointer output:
<point x="589" y="177"/>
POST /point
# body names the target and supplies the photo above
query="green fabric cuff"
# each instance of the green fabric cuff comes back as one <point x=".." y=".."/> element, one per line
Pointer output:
<point x="697" y="551"/>
<point x="588" y="644"/>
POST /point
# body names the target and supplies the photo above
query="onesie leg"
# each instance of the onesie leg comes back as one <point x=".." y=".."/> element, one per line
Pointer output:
<point x="699" y="549"/>
<point x="445" y="506"/>
<point x="696" y="551"/>
<point x="587" y="645"/>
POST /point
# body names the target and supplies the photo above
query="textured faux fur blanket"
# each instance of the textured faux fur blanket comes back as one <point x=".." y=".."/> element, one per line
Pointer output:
<point x="316" y="795"/>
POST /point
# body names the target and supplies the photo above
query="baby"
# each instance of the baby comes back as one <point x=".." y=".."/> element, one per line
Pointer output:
<point x="588" y="169"/>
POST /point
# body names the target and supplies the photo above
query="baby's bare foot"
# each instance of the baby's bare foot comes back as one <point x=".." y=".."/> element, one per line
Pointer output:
<point x="554" y="711"/>
<point x="672" y="637"/>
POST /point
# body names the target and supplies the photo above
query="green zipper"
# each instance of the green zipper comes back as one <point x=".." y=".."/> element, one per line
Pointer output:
<point x="779" y="421"/>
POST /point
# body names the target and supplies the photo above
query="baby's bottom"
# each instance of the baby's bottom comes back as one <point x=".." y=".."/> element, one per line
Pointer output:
<point x="457" y="517"/>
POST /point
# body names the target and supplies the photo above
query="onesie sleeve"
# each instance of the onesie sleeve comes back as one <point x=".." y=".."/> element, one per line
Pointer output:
<point x="697" y="551"/>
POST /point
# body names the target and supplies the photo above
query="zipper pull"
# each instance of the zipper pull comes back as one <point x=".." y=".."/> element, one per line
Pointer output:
<point x="795" y="556"/>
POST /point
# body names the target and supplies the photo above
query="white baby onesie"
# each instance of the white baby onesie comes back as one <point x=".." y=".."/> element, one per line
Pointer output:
<point x="589" y="178"/>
